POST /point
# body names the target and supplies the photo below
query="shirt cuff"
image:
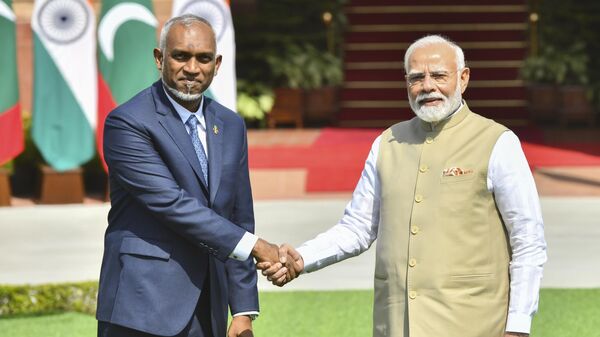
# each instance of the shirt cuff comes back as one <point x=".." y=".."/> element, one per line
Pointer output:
<point x="242" y="251"/>
<point x="252" y="314"/>
<point x="518" y="323"/>
<point x="310" y="259"/>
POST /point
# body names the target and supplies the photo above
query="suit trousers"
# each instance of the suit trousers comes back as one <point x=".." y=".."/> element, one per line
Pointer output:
<point x="199" y="325"/>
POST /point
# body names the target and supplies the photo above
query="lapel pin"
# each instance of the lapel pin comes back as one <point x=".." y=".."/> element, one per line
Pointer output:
<point x="216" y="130"/>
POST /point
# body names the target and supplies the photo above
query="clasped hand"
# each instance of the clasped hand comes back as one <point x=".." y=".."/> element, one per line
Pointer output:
<point x="282" y="265"/>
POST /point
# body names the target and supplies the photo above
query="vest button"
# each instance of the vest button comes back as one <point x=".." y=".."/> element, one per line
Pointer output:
<point x="412" y="262"/>
<point x="412" y="294"/>
<point x="414" y="230"/>
<point x="428" y="140"/>
<point x="418" y="198"/>
<point x="423" y="168"/>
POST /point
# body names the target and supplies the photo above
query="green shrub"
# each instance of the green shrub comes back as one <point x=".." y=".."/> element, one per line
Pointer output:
<point x="254" y="100"/>
<point x="40" y="299"/>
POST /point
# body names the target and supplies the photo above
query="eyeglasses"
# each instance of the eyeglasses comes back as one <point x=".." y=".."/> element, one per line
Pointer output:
<point x="438" y="77"/>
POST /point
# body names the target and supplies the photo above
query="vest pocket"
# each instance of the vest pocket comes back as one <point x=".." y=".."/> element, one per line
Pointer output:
<point x="456" y="179"/>
<point x="472" y="277"/>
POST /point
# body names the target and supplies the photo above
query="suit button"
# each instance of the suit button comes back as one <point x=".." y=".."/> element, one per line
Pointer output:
<point x="423" y="168"/>
<point x="412" y="294"/>
<point x="414" y="230"/>
<point x="412" y="262"/>
<point x="428" y="140"/>
<point x="418" y="198"/>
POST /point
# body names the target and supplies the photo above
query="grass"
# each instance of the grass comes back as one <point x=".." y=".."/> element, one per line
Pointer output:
<point x="562" y="313"/>
<point x="68" y="324"/>
<point x="315" y="314"/>
<point x="566" y="313"/>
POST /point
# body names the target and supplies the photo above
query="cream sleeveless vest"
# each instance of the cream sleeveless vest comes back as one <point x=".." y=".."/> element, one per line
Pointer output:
<point x="442" y="252"/>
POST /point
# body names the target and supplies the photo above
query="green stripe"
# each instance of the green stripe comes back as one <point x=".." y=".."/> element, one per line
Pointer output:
<point x="9" y="93"/>
<point x="59" y="128"/>
<point x="133" y="67"/>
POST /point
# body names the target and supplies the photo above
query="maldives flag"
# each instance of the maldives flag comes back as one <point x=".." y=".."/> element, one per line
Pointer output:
<point x="126" y="38"/>
<point x="65" y="81"/>
<point x="11" y="130"/>
<point x="223" y="87"/>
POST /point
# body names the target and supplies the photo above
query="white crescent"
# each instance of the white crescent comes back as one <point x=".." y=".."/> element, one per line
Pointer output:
<point x="6" y="12"/>
<point x="115" y="17"/>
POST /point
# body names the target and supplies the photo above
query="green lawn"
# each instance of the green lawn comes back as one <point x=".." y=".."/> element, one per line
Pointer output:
<point x="56" y="325"/>
<point x="563" y="313"/>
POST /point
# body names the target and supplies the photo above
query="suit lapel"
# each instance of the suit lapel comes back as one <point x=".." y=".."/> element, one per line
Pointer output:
<point x="172" y="124"/>
<point x="214" y="138"/>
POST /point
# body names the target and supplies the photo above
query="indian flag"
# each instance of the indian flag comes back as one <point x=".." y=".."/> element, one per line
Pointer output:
<point x="223" y="88"/>
<point x="11" y="130"/>
<point x="65" y="81"/>
<point x="126" y="38"/>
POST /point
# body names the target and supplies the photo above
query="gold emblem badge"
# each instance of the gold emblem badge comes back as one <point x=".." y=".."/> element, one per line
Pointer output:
<point x="216" y="130"/>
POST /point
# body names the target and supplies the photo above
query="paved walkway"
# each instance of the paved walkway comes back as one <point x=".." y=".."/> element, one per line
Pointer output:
<point x="43" y="244"/>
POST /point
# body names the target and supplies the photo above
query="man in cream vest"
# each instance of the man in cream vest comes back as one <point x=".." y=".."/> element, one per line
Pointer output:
<point x="452" y="203"/>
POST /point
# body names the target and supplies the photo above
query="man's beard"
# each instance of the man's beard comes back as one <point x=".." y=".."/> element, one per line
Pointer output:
<point x="186" y="97"/>
<point x="433" y="114"/>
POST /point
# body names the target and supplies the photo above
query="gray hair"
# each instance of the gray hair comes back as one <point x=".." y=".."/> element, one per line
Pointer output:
<point x="186" y="20"/>
<point x="433" y="39"/>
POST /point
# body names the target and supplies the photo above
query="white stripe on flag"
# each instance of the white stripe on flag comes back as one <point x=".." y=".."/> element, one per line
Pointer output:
<point x="6" y="12"/>
<point x="72" y="48"/>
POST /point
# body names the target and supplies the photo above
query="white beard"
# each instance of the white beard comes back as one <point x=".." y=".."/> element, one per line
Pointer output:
<point x="433" y="114"/>
<point x="182" y="95"/>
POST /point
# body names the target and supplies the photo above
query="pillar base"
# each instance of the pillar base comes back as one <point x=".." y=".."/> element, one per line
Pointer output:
<point x="4" y="188"/>
<point x="61" y="187"/>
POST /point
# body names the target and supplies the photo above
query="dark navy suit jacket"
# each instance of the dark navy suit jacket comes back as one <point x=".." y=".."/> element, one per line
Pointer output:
<point x="167" y="230"/>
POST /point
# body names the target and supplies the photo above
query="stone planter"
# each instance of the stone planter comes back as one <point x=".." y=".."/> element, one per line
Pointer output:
<point x="543" y="102"/>
<point x="322" y="105"/>
<point x="288" y="108"/>
<point x="4" y="188"/>
<point x="61" y="187"/>
<point x="575" y="105"/>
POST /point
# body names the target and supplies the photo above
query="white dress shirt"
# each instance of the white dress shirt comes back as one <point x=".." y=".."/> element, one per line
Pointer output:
<point x="243" y="249"/>
<point x="512" y="184"/>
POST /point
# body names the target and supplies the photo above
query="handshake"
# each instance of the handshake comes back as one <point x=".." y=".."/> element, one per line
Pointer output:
<point x="279" y="264"/>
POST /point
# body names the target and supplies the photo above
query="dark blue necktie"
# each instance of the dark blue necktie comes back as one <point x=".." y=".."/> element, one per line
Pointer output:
<point x="192" y="123"/>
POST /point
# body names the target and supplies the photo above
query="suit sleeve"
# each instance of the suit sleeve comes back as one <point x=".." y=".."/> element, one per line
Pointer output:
<point x="138" y="168"/>
<point x="241" y="275"/>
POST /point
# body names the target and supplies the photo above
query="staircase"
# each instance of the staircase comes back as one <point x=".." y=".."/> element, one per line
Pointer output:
<point x="492" y="33"/>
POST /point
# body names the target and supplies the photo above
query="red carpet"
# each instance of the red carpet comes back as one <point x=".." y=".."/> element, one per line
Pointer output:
<point x="335" y="160"/>
<point x="571" y="154"/>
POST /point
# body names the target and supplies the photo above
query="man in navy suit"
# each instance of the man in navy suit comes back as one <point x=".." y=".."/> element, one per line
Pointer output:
<point x="179" y="239"/>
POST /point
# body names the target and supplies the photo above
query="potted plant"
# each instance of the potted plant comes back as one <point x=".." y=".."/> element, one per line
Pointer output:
<point x="568" y="58"/>
<point x="286" y="69"/>
<point x="305" y="85"/>
<point x="557" y="84"/>
<point x="540" y="74"/>
<point x="572" y="75"/>
<point x="289" y="47"/>
<point x="323" y="72"/>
